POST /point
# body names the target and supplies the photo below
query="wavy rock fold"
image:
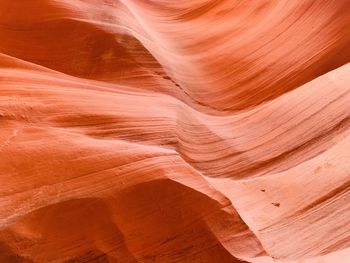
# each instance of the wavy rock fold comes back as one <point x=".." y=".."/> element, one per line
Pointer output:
<point x="174" y="131"/>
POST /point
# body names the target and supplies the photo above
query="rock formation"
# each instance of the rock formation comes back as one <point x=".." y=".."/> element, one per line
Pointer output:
<point x="159" y="131"/>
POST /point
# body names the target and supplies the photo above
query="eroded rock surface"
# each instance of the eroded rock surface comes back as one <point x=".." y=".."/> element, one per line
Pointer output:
<point x="201" y="131"/>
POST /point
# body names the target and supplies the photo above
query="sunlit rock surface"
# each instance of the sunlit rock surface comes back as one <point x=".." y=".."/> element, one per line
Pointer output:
<point x="199" y="131"/>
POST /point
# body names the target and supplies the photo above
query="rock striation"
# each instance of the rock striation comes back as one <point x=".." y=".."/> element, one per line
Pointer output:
<point x="159" y="131"/>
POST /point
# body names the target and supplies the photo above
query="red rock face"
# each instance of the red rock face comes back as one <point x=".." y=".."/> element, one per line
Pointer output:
<point x="199" y="131"/>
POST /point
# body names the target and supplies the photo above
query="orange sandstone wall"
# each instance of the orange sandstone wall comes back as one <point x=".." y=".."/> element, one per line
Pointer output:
<point x="159" y="131"/>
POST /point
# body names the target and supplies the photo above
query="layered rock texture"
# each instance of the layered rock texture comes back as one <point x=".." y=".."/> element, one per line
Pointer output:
<point x="160" y="131"/>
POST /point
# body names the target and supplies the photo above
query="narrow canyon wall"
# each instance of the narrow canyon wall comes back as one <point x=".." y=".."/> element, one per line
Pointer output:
<point x="159" y="131"/>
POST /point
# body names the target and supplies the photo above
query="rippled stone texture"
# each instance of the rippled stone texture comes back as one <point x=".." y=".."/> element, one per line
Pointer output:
<point x="197" y="131"/>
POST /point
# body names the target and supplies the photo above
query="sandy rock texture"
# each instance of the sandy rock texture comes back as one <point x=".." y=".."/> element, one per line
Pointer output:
<point x="161" y="131"/>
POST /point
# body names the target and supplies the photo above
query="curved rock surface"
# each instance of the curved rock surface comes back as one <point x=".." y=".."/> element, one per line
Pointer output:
<point x="164" y="131"/>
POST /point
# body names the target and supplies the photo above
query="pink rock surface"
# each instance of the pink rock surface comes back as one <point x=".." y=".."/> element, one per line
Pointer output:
<point x="174" y="131"/>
